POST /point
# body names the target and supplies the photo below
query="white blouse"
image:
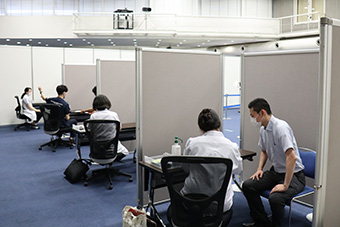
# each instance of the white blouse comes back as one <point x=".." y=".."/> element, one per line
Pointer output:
<point x="26" y="111"/>
<point x="110" y="115"/>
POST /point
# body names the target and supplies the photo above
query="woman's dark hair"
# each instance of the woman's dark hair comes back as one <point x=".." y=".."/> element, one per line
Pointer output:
<point x="61" y="89"/>
<point x="208" y="120"/>
<point x="101" y="102"/>
<point x="259" y="104"/>
<point x="25" y="91"/>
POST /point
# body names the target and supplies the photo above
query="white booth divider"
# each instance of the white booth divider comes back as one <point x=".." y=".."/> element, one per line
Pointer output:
<point x="327" y="182"/>
<point x="172" y="88"/>
<point x="116" y="80"/>
<point x="288" y="80"/>
<point x="80" y="80"/>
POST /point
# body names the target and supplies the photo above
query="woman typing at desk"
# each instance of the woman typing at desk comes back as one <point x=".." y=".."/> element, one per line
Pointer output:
<point x="101" y="105"/>
<point x="211" y="143"/>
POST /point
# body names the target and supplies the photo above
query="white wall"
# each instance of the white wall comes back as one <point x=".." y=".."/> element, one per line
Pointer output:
<point x="15" y="65"/>
<point x="231" y="8"/>
<point x="46" y="70"/>
<point x="41" y="66"/>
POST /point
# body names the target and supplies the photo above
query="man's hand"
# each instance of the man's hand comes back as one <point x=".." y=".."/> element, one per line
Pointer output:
<point x="257" y="175"/>
<point x="279" y="188"/>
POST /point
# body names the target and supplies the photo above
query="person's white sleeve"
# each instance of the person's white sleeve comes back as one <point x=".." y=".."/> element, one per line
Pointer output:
<point x="187" y="147"/>
<point x="237" y="161"/>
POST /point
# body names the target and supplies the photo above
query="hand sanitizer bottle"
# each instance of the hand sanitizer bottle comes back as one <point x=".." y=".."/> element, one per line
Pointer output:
<point x="176" y="148"/>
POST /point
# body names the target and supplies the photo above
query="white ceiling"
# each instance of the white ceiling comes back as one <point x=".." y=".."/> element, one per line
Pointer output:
<point x="174" y="43"/>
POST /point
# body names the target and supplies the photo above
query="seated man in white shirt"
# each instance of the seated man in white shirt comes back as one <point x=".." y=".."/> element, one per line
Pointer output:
<point x="212" y="143"/>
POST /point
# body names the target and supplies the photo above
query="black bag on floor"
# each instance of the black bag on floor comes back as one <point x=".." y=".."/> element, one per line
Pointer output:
<point x="76" y="170"/>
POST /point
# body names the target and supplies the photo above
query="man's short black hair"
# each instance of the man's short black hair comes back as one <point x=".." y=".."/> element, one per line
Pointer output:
<point x="101" y="102"/>
<point x="208" y="120"/>
<point x="259" y="104"/>
<point x="61" y="89"/>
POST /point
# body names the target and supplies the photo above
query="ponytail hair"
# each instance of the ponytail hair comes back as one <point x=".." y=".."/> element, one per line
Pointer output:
<point x="208" y="120"/>
<point x="25" y="91"/>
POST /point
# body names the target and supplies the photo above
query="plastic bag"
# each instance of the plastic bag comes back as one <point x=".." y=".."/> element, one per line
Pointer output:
<point x="133" y="217"/>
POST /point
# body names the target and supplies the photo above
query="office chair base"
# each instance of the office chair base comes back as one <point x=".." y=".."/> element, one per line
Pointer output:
<point x="109" y="172"/>
<point x="27" y="126"/>
<point x="54" y="143"/>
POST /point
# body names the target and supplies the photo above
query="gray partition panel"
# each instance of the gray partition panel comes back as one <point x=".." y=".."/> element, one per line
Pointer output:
<point x="80" y="79"/>
<point x="289" y="82"/>
<point x="327" y="174"/>
<point x="175" y="87"/>
<point x="117" y="82"/>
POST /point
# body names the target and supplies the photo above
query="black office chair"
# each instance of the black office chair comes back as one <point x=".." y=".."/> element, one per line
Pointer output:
<point x="53" y="117"/>
<point x="21" y="116"/>
<point x="203" y="203"/>
<point x="103" y="137"/>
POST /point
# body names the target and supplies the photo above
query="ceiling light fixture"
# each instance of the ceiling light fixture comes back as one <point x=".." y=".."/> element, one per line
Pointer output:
<point x="84" y="40"/>
<point x="7" y="40"/>
<point x="58" y="40"/>
<point x="18" y="43"/>
<point x="39" y="43"/>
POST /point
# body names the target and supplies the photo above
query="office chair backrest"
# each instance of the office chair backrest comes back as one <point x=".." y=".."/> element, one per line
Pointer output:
<point x="308" y="158"/>
<point x="200" y="201"/>
<point x="103" y="137"/>
<point x="18" y="109"/>
<point x="53" y="117"/>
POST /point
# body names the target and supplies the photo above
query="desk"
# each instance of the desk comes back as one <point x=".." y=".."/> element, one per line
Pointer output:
<point x="80" y="117"/>
<point x="128" y="132"/>
<point x="156" y="179"/>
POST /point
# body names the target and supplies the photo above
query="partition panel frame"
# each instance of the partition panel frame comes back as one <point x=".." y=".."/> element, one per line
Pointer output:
<point x="140" y="104"/>
<point x="328" y="111"/>
<point x="249" y="135"/>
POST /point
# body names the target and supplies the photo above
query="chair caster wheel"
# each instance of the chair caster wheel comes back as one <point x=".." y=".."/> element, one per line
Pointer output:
<point x="86" y="184"/>
<point x="131" y="179"/>
<point x="53" y="150"/>
<point x="110" y="187"/>
<point x="15" y="129"/>
<point x="40" y="148"/>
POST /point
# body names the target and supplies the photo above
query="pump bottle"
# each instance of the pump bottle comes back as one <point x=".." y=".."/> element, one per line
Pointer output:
<point x="176" y="148"/>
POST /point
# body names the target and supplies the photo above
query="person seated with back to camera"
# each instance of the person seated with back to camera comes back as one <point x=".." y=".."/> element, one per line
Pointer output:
<point x="101" y="105"/>
<point x="28" y="109"/>
<point x="212" y="143"/>
<point x="60" y="100"/>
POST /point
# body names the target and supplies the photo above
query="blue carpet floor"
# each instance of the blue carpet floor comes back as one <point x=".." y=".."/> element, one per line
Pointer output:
<point x="34" y="191"/>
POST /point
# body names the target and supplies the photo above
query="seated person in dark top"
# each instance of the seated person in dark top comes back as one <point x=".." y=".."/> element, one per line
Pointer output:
<point x="90" y="110"/>
<point x="62" y="91"/>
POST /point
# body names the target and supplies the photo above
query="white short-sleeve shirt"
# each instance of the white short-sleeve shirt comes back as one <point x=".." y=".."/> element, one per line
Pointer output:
<point x="110" y="115"/>
<point x="275" y="140"/>
<point x="213" y="144"/>
<point x="26" y="111"/>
